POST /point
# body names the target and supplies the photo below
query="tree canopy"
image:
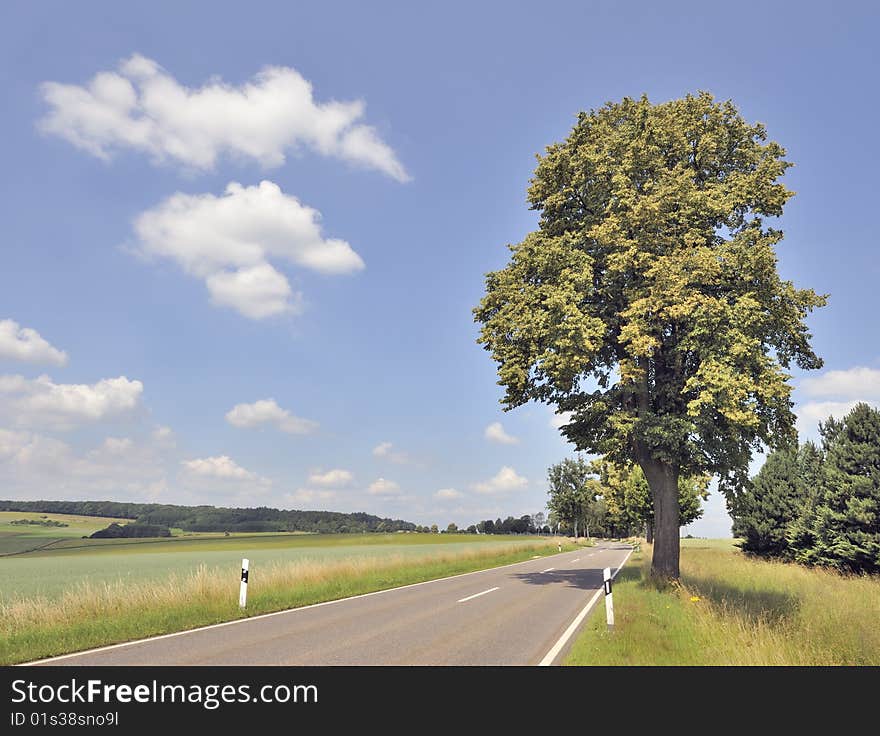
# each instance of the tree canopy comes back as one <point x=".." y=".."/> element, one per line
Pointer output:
<point x="647" y="304"/>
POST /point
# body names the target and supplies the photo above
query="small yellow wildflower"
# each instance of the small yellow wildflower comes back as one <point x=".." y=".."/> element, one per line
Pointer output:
<point x="695" y="598"/>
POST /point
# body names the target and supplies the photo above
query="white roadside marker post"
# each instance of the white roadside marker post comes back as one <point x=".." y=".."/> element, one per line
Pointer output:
<point x="242" y="592"/>
<point x="609" y="603"/>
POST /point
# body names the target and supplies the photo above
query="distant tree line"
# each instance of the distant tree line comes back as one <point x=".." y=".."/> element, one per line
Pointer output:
<point x="132" y="531"/>
<point x="217" y="519"/>
<point x="38" y="522"/>
<point x="818" y="504"/>
<point x="510" y="525"/>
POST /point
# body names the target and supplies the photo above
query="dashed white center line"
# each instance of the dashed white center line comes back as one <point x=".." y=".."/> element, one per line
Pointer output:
<point x="548" y="569"/>
<point x="576" y="559"/>
<point x="477" y="595"/>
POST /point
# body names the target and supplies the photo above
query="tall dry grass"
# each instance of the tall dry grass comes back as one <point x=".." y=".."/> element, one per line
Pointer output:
<point x="775" y="613"/>
<point x="731" y="609"/>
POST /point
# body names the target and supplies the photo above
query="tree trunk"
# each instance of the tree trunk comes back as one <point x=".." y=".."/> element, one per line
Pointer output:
<point x="575" y="528"/>
<point x="649" y="532"/>
<point x="663" y="481"/>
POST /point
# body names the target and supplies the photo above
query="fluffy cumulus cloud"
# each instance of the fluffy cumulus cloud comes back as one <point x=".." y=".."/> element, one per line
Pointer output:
<point x="267" y="411"/>
<point x="308" y="497"/>
<point x="382" y="449"/>
<point x="33" y="465"/>
<point x="230" y="242"/>
<point x="447" y="494"/>
<point x="26" y="345"/>
<point x="504" y="481"/>
<point x="142" y="107"/>
<point x="386" y="451"/>
<point x="164" y="436"/>
<point x="331" y="479"/>
<point x="220" y="467"/>
<point x="835" y="393"/>
<point x="40" y="402"/>
<point x="495" y="433"/>
<point x="857" y="383"/>
<point x="383" y="487"/>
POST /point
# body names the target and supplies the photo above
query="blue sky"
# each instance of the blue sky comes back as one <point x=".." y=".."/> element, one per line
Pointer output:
<point x="308" y="342"/>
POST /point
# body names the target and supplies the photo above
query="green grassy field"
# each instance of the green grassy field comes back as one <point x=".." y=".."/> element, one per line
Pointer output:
<point x="15" y="538"/>
<point x="61" y="600"/>
<point x="50" y="572"/>
<point x="734" y="610"/>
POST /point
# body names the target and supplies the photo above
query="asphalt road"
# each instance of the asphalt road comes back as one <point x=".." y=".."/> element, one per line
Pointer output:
<point x="514" y="615"/>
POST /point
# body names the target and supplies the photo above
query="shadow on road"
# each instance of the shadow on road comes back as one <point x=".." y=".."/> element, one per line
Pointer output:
<point x="584" y="579"/>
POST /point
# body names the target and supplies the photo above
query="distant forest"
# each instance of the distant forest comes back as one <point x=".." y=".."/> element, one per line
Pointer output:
<point x="216" y="519"/>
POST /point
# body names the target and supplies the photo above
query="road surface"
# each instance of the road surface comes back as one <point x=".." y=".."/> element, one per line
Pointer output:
<point x="521" y="614"/>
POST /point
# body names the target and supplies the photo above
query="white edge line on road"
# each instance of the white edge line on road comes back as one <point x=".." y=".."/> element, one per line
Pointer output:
<point x="263" y="615"/>
<point x="547" y="570"/>
<point x="573" y="626"/>
<point x="476" y="595"/>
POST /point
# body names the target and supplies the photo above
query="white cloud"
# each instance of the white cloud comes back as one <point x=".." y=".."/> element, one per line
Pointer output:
<point x="382" y="487"/>
<point x="503" y="481"/>
<point x="266" y="411"/>
<point x="560" y="419"/>
<point x="857" y="383"/>
<point x="228" y="241"/>
<point x="309" y="496"/>
<point x="447" y="494"/>
<point x="495" y="433"/>
<point x="811" y="413"/>
<point x="386" y="450"/>
<point x="332" y="478"/>
<point x="221" y="466"/>
<point x="257" y="292"/>
<point x="39" y="402"/>
<point x="36" y="466"/>
<point x="142" y="107"/>
<point x="164" y="436"/>
<point x="841" y="391"/>
<point x="26" y="344"/>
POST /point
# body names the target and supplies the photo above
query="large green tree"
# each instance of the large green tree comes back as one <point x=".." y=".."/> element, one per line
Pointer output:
<point x="843" y="527"/>
<point x="647" y="303"/>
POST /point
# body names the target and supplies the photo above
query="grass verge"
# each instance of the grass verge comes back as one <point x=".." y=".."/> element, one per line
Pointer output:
<point x="97" y="615"/>
<point x="731" y="609"/>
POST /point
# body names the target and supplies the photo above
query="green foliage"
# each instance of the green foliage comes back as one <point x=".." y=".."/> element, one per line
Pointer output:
<point x="763" y="513"/>
<point x="510" y="525"/>
<point x="648" y="303"/>
<point x="573" y="491"/>
<point x="132" y="531"/>
<point x="217" y="519"/>
<point x="38" y="522"/>
<point x="629" y="500"/>
<point x="841" y="527"/>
